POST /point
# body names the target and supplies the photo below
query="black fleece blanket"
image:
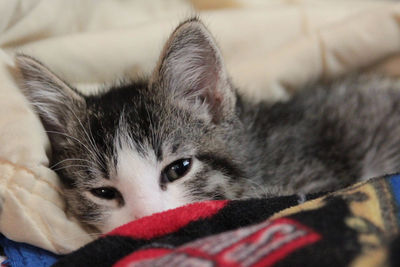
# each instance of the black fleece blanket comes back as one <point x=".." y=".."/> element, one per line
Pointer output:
<point x="357" y="226"/>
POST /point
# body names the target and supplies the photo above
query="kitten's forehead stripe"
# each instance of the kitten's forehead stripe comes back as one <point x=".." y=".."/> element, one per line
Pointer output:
<point x="139" y="115"/>
<point x="175" y="147"/>
<point x="159" y="152"/>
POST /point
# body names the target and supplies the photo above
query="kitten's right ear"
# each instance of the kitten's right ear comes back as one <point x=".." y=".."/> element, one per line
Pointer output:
<point x="53" y="99"/>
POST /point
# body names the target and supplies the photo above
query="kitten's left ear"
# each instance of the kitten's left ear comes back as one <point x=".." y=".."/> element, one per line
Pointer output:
<point x="191" y="69"/>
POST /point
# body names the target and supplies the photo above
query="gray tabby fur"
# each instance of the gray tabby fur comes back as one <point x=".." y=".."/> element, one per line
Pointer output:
<point x="326" y="137"/>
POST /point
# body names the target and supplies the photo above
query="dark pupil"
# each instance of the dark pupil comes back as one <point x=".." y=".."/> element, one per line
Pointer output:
<point x="177" y="169"/>
<point x="104" y="192"/>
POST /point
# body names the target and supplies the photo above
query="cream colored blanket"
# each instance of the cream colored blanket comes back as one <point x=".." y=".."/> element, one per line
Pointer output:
<point x="271" y="48"/>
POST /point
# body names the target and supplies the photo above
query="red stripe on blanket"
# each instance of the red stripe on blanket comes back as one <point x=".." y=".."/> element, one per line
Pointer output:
<point x="260" y="245"/>
<point x="166" y="222"/>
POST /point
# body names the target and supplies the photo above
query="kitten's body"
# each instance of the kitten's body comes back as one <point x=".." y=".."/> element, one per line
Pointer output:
<point x="332" y="134"/>
<point x="185" y="135"/>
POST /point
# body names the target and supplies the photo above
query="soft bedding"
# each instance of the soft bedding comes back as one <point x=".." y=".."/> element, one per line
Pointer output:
<point x="357" y="226"/>
<point x="271" y="48"/>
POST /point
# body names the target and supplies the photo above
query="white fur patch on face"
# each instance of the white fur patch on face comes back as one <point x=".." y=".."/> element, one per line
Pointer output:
<point x="137" y="178"/>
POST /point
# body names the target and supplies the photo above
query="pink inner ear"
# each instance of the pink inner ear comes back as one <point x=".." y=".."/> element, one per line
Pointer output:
<point x="207" y="85"/>
<point x="191" y="69"/>
<point x="214" y="99"/>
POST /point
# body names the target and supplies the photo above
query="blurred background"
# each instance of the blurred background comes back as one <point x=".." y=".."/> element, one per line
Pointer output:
<point x="271" y="48"/>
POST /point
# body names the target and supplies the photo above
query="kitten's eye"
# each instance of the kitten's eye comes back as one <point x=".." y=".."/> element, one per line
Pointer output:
<point x="176" y="170"/>
<point x="108" y="193"/>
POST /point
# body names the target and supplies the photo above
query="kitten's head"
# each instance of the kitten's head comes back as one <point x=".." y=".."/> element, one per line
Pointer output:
<point x="148" y="145"/>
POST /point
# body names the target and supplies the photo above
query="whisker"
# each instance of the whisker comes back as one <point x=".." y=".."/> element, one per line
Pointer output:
<point x="69" y="166"/>
<point x="256" y="187"/>
<point x="69" y="159"/>
<point x="91" y="140"/>
<point x="73" y="138"/>
<point x="84" y="130"/>
<point x="95" y="147"/>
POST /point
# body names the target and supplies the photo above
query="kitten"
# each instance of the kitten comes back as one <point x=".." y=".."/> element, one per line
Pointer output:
<point x="186" y="135"/>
